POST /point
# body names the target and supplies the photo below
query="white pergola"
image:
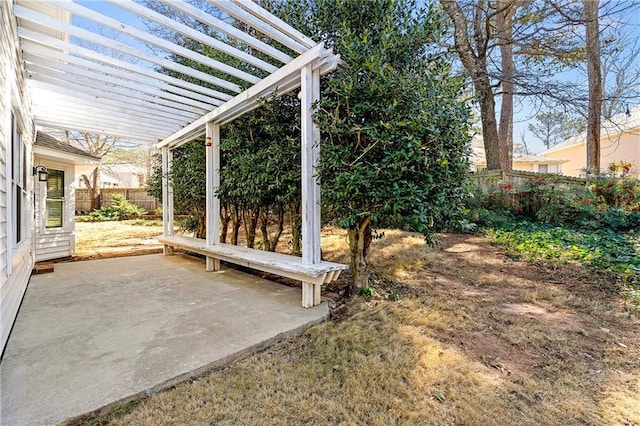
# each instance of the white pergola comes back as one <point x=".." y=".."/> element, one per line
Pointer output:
<point x="94" y="68"/>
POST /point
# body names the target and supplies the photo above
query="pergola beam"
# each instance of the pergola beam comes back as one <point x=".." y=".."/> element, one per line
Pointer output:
<point x="72" y="49"/>
<point x="180" y="28"/>
<point x="128" y="30"/>
<point x="275" y="22"/>
<point x="248" y="99"/>
<point x="59" y="95"/>
<point x="227" y="29"/>
<point x="102" y="77"/>
<point x="110" y="92"/>
<point x="80" y="33"/>
<point x="62" y="124"/>
<point x="138" y="129"/>
<point x="97" y="115"/>
<point x="259" y="25"/>
<point x="78" y="78"/>
<point x="147" y="78"/>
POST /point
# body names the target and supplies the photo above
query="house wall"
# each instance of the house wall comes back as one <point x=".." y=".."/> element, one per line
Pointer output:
<point x="54" y="243"/>
<point x="111" y="178"/>
<point x="528" y="167"/>
<point x="16" y="260"/>
<point x="625" y="147"/>
<point x="525" y="167"/>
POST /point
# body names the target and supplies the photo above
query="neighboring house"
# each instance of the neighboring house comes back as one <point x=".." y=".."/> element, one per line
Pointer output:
<point x="524" y="162"/>
<point x="619" y="142"/>
<point x="114" y="176"/>
<point x="55" y="198"/>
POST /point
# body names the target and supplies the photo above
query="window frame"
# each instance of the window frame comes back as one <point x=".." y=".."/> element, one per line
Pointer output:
<point x="18" y="181"/>
<point x="57" y="199"/>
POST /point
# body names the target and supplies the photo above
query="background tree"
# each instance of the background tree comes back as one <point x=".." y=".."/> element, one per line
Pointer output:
<point x="594" y="79"/>
<point x="260" y="174"/>
<point x="517" y="52"/>
<point x="140" y="156"/>
<point x="553" y="127"/>
<point x="98" y="145"/>
<point x="188" y="178"/>
<point x="474" y="36"/>
<point x="394" y="133"/>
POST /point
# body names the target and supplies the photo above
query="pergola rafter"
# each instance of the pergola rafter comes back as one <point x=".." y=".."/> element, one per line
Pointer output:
<point x="169" y="94"/>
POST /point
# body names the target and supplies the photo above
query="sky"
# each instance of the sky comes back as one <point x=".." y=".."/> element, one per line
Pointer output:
<point x="524" y="110"/>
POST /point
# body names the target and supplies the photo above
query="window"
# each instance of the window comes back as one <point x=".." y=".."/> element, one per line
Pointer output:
<point x="543" y="168"/>
<point x="54" y="212"/>
<point x="18" y="186"/>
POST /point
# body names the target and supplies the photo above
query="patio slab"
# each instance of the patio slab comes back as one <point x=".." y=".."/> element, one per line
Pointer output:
<point x="101" y="331"/>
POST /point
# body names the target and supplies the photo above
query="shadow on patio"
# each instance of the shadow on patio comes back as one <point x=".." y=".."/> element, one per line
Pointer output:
<point x="101" y="331"/>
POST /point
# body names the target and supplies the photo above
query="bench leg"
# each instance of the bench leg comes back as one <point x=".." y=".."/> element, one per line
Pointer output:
<point x="307" y="295"/>
<point x="213" y="264"/>
<point x="310" y="294"/>
<point x="316" y="294"/>
<point x="167" y="250"/>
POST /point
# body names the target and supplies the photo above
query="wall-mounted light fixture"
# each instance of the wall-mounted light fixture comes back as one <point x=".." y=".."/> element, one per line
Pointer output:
<point x="42" y="173"/>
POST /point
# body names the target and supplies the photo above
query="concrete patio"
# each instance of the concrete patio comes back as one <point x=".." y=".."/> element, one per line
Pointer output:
<point x="101" y="331"/>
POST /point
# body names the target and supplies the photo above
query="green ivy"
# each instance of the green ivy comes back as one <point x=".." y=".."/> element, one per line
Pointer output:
<point x="603" y="250"/>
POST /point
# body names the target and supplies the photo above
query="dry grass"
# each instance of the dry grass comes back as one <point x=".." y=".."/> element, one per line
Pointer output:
<point x="475" y="338"/>
<point x="101" y="238"/>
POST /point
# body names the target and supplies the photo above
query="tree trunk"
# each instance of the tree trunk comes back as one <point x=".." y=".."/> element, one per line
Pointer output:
<point x="490" y="136"/>
<point x="250" y="219"/>
<point x="94" y="189"/>
<point x="594" y="77"/>
<point x="359" y="244"/>
<point x="235" y="223"/>
<point x="295" y="219"/>
<point x="201" y="215"/>
<point x="271" y="242"/>
<point x="475" y="63"/>
<point x="505" y="41"/>
<point x="225" y="219"/>
<point x="96" y="199"/>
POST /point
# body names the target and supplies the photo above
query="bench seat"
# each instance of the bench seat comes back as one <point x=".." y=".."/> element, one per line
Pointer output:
<point x="312" y="276"/>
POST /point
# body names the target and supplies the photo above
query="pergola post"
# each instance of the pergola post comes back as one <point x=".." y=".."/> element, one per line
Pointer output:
<point x="310" y="93"/>
<point x="167" y="197"/>
<point x="212" y="143"/>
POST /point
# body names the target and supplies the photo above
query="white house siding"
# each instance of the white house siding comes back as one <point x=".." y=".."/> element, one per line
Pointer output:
<point x="54" y="243"/>
<point x="5" y="131"/>
<point x="15" y="262"/>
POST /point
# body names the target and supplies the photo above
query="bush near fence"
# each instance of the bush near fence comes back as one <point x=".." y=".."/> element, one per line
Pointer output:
<point x="522" y="192"/>
<point x="600" y="201"/>
<point x="137" y="196"/>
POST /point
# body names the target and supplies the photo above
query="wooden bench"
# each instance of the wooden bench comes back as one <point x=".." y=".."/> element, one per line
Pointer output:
<point x="312" y="276"/>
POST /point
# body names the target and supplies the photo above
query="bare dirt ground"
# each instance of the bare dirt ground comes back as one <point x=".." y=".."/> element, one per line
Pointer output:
<point x="458" y="334"/>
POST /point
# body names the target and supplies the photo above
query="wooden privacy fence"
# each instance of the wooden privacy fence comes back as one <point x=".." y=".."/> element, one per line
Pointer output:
<point x="137" y="196"/>
<point x="522" y="192"/>
<point x="494" y="180"/>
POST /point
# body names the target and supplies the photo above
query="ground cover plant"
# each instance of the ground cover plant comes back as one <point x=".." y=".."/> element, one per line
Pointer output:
<point x="614" y="256"/>
<point x="460" y="334"/>
<point x="595" y="226"/>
